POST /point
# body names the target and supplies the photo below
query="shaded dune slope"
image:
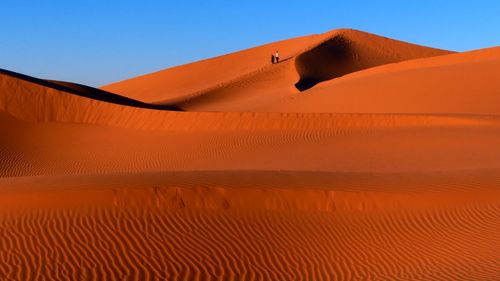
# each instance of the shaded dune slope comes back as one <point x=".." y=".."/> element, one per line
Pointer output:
<point x="38" y="100"/>
<point x="351" y="51"/>
<point x="455" y="83"/>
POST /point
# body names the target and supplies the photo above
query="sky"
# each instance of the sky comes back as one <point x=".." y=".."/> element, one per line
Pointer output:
<point x="97" y="42"/>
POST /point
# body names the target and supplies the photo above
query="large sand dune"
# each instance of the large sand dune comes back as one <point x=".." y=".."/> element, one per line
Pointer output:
<point x="241" y="81"/>
<point x="357" y="157"/>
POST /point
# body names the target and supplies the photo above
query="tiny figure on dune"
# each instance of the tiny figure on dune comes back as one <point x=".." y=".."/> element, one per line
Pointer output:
<point x="273" y="59"/>
<point x="277" y="56"/>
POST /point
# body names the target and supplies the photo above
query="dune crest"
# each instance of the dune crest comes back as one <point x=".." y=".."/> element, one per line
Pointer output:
<point x="350" y="51"/>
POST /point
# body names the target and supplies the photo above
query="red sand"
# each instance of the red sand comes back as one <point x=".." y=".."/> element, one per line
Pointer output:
<point x="376" y="159"/>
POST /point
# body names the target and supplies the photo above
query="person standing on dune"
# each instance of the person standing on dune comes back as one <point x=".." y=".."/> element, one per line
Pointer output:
<point x="277" y="56"/>
<point x="273" y="59"/>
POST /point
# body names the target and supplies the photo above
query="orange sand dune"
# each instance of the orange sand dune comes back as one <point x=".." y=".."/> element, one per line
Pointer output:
<point x="377" y="160"/>
<point x="240" y="80"/>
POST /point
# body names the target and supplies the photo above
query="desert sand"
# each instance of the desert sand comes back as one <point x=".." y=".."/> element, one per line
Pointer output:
<point x="357" y="157"/>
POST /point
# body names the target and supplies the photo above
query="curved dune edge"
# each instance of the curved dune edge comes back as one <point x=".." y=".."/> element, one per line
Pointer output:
<point x="12" y="82"/>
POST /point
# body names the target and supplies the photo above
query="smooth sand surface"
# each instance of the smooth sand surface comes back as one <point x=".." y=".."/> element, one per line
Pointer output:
<point x="357" y="157"/>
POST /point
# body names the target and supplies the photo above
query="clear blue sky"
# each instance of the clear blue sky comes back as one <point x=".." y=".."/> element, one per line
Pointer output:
<point x="96" y="42"/>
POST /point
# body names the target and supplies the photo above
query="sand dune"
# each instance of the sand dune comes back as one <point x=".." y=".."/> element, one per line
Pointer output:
<point x="357" y="158"/>
<point x="241" y="80"/>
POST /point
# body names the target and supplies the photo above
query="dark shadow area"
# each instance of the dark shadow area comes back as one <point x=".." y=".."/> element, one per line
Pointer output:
<point x="349" y="52"/>
<point x="306" y="83"/>
<point x="330" y="59"/>
<point x="88" y="92"/>
<point x="283" y="60"/>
